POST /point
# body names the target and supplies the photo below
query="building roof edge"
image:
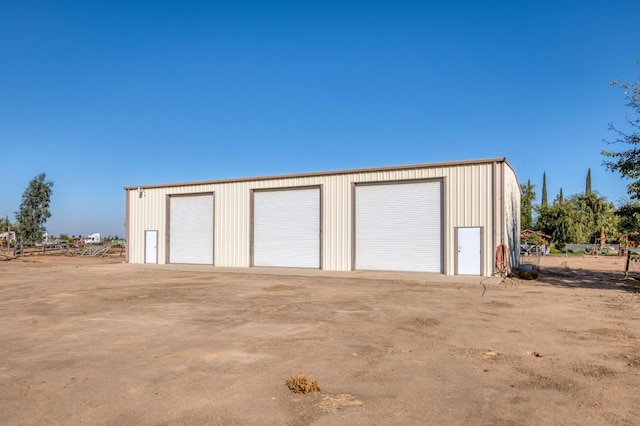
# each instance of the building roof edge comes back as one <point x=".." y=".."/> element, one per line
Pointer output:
<point x="327" y="173"/>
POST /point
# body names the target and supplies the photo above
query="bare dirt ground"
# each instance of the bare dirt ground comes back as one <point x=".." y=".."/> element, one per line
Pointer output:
<point x="95" y="341"/>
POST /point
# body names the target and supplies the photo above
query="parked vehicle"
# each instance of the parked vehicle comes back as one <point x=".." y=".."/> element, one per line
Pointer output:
<point x="93" y="239"/>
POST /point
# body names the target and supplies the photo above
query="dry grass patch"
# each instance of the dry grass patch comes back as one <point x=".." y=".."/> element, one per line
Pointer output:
<point x="299" y="383"/>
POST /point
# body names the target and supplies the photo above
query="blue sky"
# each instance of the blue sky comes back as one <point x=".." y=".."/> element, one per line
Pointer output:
<point x="103" y="95"/>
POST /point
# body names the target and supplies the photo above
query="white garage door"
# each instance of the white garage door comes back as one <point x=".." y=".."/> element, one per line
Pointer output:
<point x="286" y="228"/>
<point x="191" y="229"/>
<point x="399" y="227"/>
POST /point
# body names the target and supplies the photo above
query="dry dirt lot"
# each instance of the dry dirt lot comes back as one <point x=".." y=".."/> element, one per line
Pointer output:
<point x="94" y="341"/>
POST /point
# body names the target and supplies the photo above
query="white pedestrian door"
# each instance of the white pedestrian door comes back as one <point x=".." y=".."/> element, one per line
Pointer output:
<point x="150" y="246"/>
<point x="469" y="249"/>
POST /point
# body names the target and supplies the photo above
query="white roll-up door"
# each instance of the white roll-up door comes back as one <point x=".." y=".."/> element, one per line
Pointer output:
<point x="191" y="229"/>
<point x="286" y="228"/>
<point x="399" y="227"/>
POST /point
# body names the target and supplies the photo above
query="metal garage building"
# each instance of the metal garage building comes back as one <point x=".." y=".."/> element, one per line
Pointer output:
<point x="454" y="218"/>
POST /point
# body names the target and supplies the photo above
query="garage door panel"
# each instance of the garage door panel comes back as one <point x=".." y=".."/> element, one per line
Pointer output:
<point x="399" y="227"/>
<point x="287" y="228"/>
<point x="191" y="229"/>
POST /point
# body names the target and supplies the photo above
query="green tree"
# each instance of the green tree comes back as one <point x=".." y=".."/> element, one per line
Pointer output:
<point x="565" y="223"/>
<point x="558" y="220"/>
<point x="587" y="189"/>
<point x="595" y="216"/>
<point x="5" y="224"/>
<point x="544" y="221"/>
<point x="526" y="205"/>
<point x="628" y="214"/>
<point x="34" y="209"/>
<point x="544" y="203"/>
<point x="627" y="162"/>
<point x="577" y="219"/>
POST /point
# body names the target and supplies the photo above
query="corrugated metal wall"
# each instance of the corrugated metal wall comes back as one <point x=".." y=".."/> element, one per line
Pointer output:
<point x="512" y="215"/>
<point x="469" y="199"/>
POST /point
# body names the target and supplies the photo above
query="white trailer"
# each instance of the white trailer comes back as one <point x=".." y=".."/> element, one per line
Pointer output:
<point x="93" y="239"/>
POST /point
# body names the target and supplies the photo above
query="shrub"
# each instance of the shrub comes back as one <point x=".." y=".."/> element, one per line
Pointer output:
<point x="299" y="383"/>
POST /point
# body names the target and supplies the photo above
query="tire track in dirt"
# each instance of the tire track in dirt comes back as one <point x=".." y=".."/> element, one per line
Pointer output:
<point x="613" y="333"/>
<point x="613" y="419"/>
<point x="592" y="371"/>
<point x="544" y="382"/>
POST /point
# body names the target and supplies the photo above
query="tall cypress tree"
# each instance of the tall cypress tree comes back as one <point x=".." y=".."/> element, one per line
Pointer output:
<point x="560" y="196"/>
<point x="587" y="189"/>
<point x="544" y="204"/>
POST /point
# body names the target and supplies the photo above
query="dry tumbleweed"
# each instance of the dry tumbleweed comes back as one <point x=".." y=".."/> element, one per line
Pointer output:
<point x="299" y="383"/>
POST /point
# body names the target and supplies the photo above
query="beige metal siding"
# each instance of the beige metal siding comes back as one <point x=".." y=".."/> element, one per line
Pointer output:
<point x="512" y="215"/>
<point x="468" y="203"/>
<point x="233" y="213"/>
<point x="336" y="224"/>
<point x="146" y="213"/>
<point x="469" y="199"/>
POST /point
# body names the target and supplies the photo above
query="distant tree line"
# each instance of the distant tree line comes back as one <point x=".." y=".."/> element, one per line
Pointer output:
<point x="579" y="218"/>
<point x="584" y="217"/>
<point x="31" y="217"/>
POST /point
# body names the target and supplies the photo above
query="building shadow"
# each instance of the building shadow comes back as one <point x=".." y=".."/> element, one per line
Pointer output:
<point x="565" y="276"/>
